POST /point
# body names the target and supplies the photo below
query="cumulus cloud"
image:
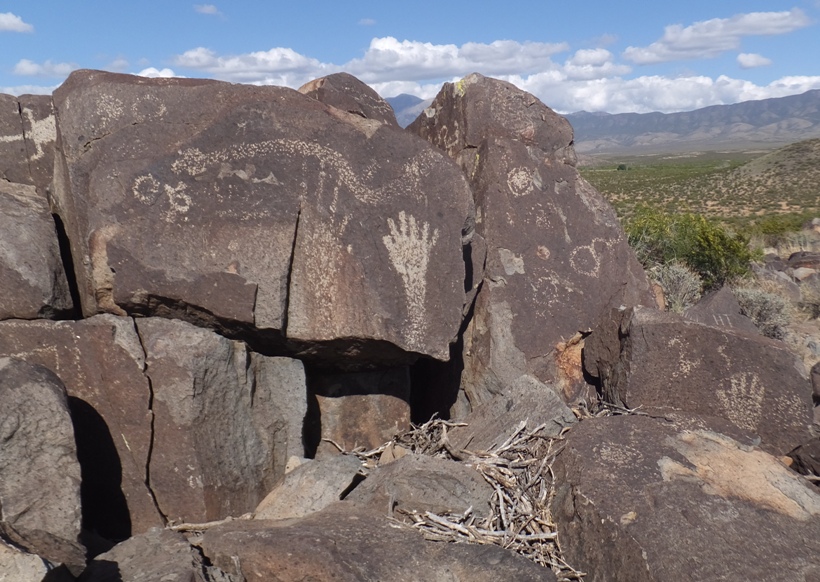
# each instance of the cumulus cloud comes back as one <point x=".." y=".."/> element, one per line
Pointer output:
<point x="593" y="64"/>
<point x="367" y="22"/>
<point x="29" y="68"/>
<point x="154" y="72"/>
<point x="752" y="60"/>
<point x="12" y="23"/>
<point x="206" y="9"/>
<point x="709" y="38"/>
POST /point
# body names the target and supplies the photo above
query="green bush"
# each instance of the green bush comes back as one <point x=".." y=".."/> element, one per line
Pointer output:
<point x="714" y="253"/>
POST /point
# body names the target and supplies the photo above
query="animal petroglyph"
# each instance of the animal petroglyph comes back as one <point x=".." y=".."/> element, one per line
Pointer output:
<point x="409" y="245"/>
<point x="40" y="132"/>
<point x="743" y="400"/>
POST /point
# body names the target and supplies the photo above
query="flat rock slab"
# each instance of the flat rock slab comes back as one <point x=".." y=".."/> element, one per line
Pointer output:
<point x="310" y="487"/>
<point x="156" y="555"/>
<point x="527" y="401"/>
<point x="422" y="483"/>
<point x="556" y="255"/>
<point x="280" y="217"/>
<point x="101" y="361"/>
<point x="357" y="409"/>
<point x="721" y="309"/>
<point x="346" y="542"/>
<point x="220" y="439"/>
<point x="344" y="91"/>
<point x="661" y="363"/>
<point x="33" y="282"/>
<point x="39" y="471"/>
<point x="646" y="499"/>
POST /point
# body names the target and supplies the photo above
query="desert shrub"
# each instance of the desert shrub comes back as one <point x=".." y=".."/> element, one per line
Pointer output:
<point x="769" y="312"/>
<point x="709" y="249"/>
<point x="681" y="286"/>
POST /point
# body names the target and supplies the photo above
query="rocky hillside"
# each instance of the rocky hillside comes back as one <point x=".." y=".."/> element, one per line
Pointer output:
<point x="250" y="333"/>
<point x="766" y="123"/>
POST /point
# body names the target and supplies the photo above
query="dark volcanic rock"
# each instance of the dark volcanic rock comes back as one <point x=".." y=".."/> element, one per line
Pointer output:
<point x="423" y="483"/>
<point x="720" y="309"/>
<point x="556" y="255"/>
<point x="347" y="542"/>
<point x="40" y="133"/>
<point x="646" y="499"/>
<point x="661" y="363"/>
<point x="39" y="472"/>
<point x="220" y="440"/>
<point x="357" y="409"/>
<point x="32" y="279"/>
<point x="344" y="91"/>
<point x="278" y="215"/>
<point x="13" y="162"/>
<point x="101" y="362"/>
<point x="157" y="555"/>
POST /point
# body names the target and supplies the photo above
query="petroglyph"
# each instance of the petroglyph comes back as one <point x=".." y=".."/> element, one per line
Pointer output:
<point x="409" y="246"/>
<point x="194" y="162"/>
<point x="519" y="181"/>
<point x="40" y="132"/>
<point x="743" y="400"/>
<point x="586" y="259"/>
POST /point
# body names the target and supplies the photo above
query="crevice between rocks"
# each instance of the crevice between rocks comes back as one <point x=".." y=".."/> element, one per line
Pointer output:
<point x="153" y="417"/>
<point x="290" y="272"/>
<point x="67" y="259"/>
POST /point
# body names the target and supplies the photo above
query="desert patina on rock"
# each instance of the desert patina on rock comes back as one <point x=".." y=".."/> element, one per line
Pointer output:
<point x="660" y="363"/>
<point x="646" y="499"/>
<point x="556" y="255"/>
<point x="278" y="216"/>
<point x="39" y="472"/>
<point x="344" y="91"/>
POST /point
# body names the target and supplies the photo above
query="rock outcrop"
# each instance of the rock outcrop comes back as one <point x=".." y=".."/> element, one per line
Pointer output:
<point x="556" y="255"/>
<point x="280" y="218"/>
<point x="344" y="91"/>
<point x="645" y="499"/>
<point x="39" y="471"/>
<point x="660" y="363"/>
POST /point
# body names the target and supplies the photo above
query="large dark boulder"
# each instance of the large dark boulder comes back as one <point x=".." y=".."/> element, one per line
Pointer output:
<point x="661" y="363"/>
<point x="220" y="440"/>
<point x="651" y="499"/>
<point x="101" y="362"/>
<point x="344" y="91"/>
<point x="262" y="213"/>
<point x="39" y="472"/>
<point x="348" y="542"/>
<point x="556" y="256"/>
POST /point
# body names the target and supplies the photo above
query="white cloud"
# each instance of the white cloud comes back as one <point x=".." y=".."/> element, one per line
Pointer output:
<point x="12" y="23"/>
<point x="154" y="72"/>
<point x="752" y="60"/>
<point x="29" y="90"/>
<point x="207" y="9"/>
<point x="709" y="38"/>
<point x="593" y="64"/>
<point x="29" y="68"/>
<point x="367" y="22"/>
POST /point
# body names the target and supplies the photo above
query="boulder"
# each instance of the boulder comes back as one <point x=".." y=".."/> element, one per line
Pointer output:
<point x="556" y="255"/>
<point x="647" y="499"/>
<point x="19" y="566"/>
<point x="295" y="225"/>
<point x="219" y="437"/>
<point x="660" y="363"/>
<point x="806" y="459"/>
<point x="344" y="91"/>
<point x="101" y="361"/>
<point x="815" y="383"/>
<point x="720" y="309"/>
<point x="33" y="282"/>
<point x="157" y="554"/>
<point x="356" y="409"/>
<point x="13" y="162"/>
<point x="39" y="472"/>
<point x="347" y="542"/>
<point x="423" y="483"/>
<point x="311" y="487"/>
<point x="527" y="400"/>
<point x="804" y="259"/>
<point x="40" y="135"/>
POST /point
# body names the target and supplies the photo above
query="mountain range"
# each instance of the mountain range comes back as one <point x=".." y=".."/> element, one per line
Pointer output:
<point x="762" y="124"/>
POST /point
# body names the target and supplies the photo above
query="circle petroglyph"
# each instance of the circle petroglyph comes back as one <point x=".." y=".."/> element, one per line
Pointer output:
<point x="519" y="181"/>
<point x="146" y="189"/>
<point x="586" y="260"/>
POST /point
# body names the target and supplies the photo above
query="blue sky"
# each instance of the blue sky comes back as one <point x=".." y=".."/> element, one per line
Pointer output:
<point x="595" y="56"/>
